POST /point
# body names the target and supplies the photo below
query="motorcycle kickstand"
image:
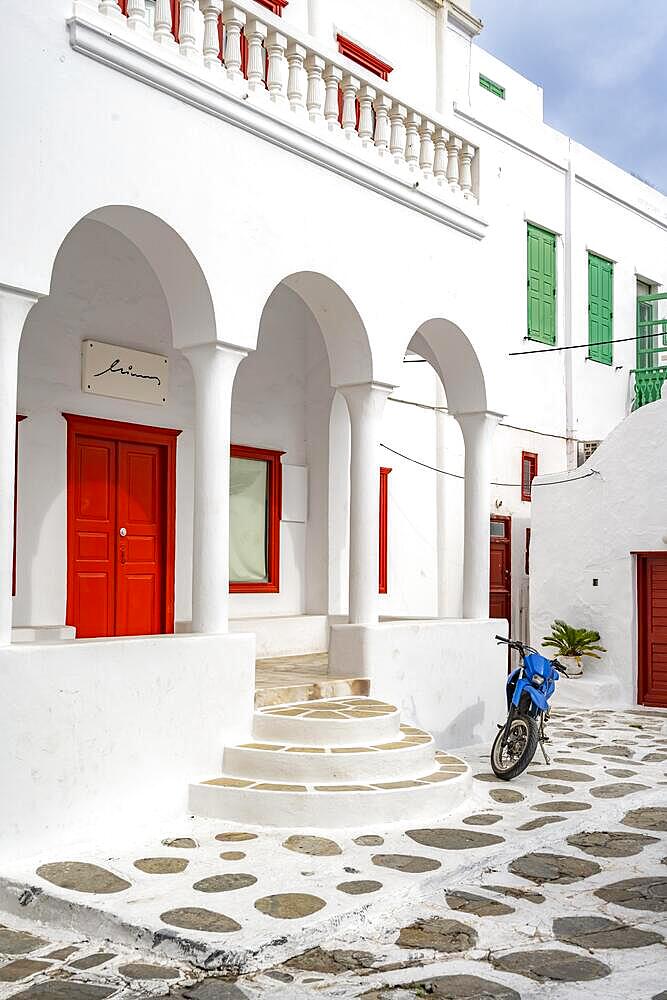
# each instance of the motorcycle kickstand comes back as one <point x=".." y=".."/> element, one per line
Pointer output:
<point x="541" y="741"/>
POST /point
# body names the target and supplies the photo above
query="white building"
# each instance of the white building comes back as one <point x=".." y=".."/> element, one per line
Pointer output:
<point x="284" y="207"/>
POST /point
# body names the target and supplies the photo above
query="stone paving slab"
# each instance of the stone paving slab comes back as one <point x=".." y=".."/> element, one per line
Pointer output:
<point x="475" y="917"/>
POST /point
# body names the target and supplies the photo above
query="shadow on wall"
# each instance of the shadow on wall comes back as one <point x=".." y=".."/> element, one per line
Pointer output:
<point x="466" y="728"/>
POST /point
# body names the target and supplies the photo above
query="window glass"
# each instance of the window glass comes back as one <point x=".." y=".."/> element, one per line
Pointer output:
<point x="248" y="520"/>
<point x="497" y="529"/>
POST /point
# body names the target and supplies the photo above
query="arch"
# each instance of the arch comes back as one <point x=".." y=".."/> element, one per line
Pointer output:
<point x="449" y="351"/>
<point x="182" y="280"/>
<point x="343" y="330"/>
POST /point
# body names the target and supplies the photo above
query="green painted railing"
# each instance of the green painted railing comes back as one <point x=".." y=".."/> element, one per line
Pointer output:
<point x="648" y="385"/>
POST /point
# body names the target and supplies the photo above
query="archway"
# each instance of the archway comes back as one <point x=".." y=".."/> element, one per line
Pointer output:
<point x="121" y="277"/>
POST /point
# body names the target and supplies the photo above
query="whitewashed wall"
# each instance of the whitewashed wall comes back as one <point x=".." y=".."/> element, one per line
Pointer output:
<point x="587" y="529"/>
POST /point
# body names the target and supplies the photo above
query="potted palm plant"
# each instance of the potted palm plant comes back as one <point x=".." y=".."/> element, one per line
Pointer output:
<point x="572" y="645"/>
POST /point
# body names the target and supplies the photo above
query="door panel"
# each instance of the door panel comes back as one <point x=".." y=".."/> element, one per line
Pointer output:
<point x="92" y="515"/>
<point x="500" y="584"/>
<point x="140" y="567"/>
<point x="652" y="607"/>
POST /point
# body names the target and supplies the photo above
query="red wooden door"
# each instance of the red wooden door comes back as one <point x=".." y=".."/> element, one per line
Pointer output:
<point x="500" y="584"/>
<point x="652" y="615"/>
<point x="121" y="528"/>
<point x="140" y="539"/>
<point x="92" y="524"/>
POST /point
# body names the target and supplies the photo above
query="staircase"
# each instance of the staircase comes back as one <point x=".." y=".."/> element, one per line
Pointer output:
<point x="336" y="763"/>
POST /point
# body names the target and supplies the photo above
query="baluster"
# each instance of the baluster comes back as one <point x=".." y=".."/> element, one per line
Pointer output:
<point x="382" y="107"/>
<point x="440" y="154"/>
<point x="110" y="7"/>
<point x="186" y="29"/>
<point x="332" y="81"/>
<point x="315" y="68"/>
<point x="136" y="16"/>
<point x="162" y="28"/>
<point x="255" y="33"/>
<point x="397" y="138"/>
<point x="466" y="157"/>
<point x="296" y="55"/>
<point x="276" y="46"/>
<point x="453" y="150"/>
<point x="211" y="47"/>
<point x="233" y="19"/>
<point x="426" y="150"/>
<point x="366" y="97"/>
<point x="350" y="87"/>
<point x="412" y="124"/>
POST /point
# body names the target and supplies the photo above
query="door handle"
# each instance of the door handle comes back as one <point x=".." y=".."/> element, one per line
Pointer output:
<point x="122" y="532"/>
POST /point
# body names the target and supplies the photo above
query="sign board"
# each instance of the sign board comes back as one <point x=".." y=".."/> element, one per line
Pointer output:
<point x="108" y="370"/>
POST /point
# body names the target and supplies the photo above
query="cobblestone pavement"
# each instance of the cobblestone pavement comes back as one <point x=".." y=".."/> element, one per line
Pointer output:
<point x="562" y="893"/>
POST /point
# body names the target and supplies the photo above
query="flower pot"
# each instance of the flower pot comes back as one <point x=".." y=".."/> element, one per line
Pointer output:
<point x="572" y="665"/>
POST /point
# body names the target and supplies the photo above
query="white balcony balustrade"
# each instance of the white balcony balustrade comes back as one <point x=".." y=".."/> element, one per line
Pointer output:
<point x="248" y="47"/>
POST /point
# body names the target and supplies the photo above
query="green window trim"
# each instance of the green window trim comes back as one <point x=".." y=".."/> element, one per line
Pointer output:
<point x="600" y="309"/>
<point x="491" y="86"/>
<point x="542" y="285"/>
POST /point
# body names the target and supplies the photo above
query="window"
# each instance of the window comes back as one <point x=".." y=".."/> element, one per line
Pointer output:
<point x="255" y="509"/>
<point x="528" y="473"/>
<point x="275" y="6"/>
<point x="600" y="309"/>
<point x="585" y="449"/>
<point x="384" y="497"/>
<point x="526" y="563"/>
<point x="493" y="88"/>
<point x="541" y="285"/>
<point x="363" y="58"/>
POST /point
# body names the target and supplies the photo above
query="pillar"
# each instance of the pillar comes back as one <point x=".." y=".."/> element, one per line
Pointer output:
<point x="14" y="308"/>
<point x="214" y="367"/>
<point x="441" y="498"/>
<point x="478" y="430"/>
<point x="365" y="404"/>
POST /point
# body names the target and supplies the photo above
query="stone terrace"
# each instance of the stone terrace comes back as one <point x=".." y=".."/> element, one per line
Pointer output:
<point x="553" y="886"/>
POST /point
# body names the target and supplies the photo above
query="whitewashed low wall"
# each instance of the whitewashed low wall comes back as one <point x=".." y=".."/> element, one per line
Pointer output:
<point x="446" y="676"/>
<point x="103" y="736"/>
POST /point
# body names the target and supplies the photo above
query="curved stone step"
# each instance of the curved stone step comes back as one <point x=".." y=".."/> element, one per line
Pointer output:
<point x="412" y="754"/>
<point x="335" y="722"/>
<point x="335" y="806"/>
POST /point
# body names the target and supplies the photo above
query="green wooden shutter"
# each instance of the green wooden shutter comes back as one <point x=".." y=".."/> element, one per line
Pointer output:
<point x="600" y="309"/>
<point x="541" y="285"/>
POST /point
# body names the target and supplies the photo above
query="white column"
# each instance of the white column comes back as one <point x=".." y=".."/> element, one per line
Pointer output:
<point x="366" y="404"/>
<point x="211" y="46"/>
<point x="441" y="59"/>
<point x="366" y="124"/>
<point x="214" y="367"/>
<point x="136" y="16"/>
<point x="234" y="20"/>
<point x="478" y="430"/>
<point x="186" y="29"/>
<point x="162" y="27"/>
<point x="276" y="46"/>
<point x="314" y="98"/>
<point x="296" y="57"/>
<point x="14" y="307"/>
<point x="332" y="80"/>
<point x="255" y="33"/>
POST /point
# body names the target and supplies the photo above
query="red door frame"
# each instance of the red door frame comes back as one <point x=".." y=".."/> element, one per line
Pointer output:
<point x="506" y="541"/>
<point x="118" y="430"/>
<point x="383" y="546"/>
<point x="643" y="662"/>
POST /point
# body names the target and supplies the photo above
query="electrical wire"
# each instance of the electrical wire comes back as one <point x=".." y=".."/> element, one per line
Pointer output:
<point x="577" y="347"/>
<point x="514" y="427"/>
<point x="456" y="475"/>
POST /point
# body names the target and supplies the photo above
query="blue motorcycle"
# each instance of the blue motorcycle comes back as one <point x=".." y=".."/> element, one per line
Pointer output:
<point x="529" y="689"/>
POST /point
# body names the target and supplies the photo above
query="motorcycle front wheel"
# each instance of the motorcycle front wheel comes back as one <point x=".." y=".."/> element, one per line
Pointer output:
<point x="510" y="759"/>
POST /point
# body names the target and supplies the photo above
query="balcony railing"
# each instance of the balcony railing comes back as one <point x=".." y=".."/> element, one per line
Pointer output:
<point x="651" y="370"/>
<point x="245" y="50"/>
<point x="648" y="385"/>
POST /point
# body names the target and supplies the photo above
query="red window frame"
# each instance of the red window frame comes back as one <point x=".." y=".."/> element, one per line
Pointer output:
<point x="275" y="6"/>
<point x="19" y="418"/>
<point x="526" y="482"/>
<point x="384" y="523"/>
<point x="363" y="58"/>
<point x="274" y="498"/>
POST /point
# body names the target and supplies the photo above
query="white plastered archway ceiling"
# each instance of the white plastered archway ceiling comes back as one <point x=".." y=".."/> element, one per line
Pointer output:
<point x="450" y="353"/>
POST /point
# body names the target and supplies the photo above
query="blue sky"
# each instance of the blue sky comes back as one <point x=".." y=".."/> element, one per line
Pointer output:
<point x="603" y="66"/>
